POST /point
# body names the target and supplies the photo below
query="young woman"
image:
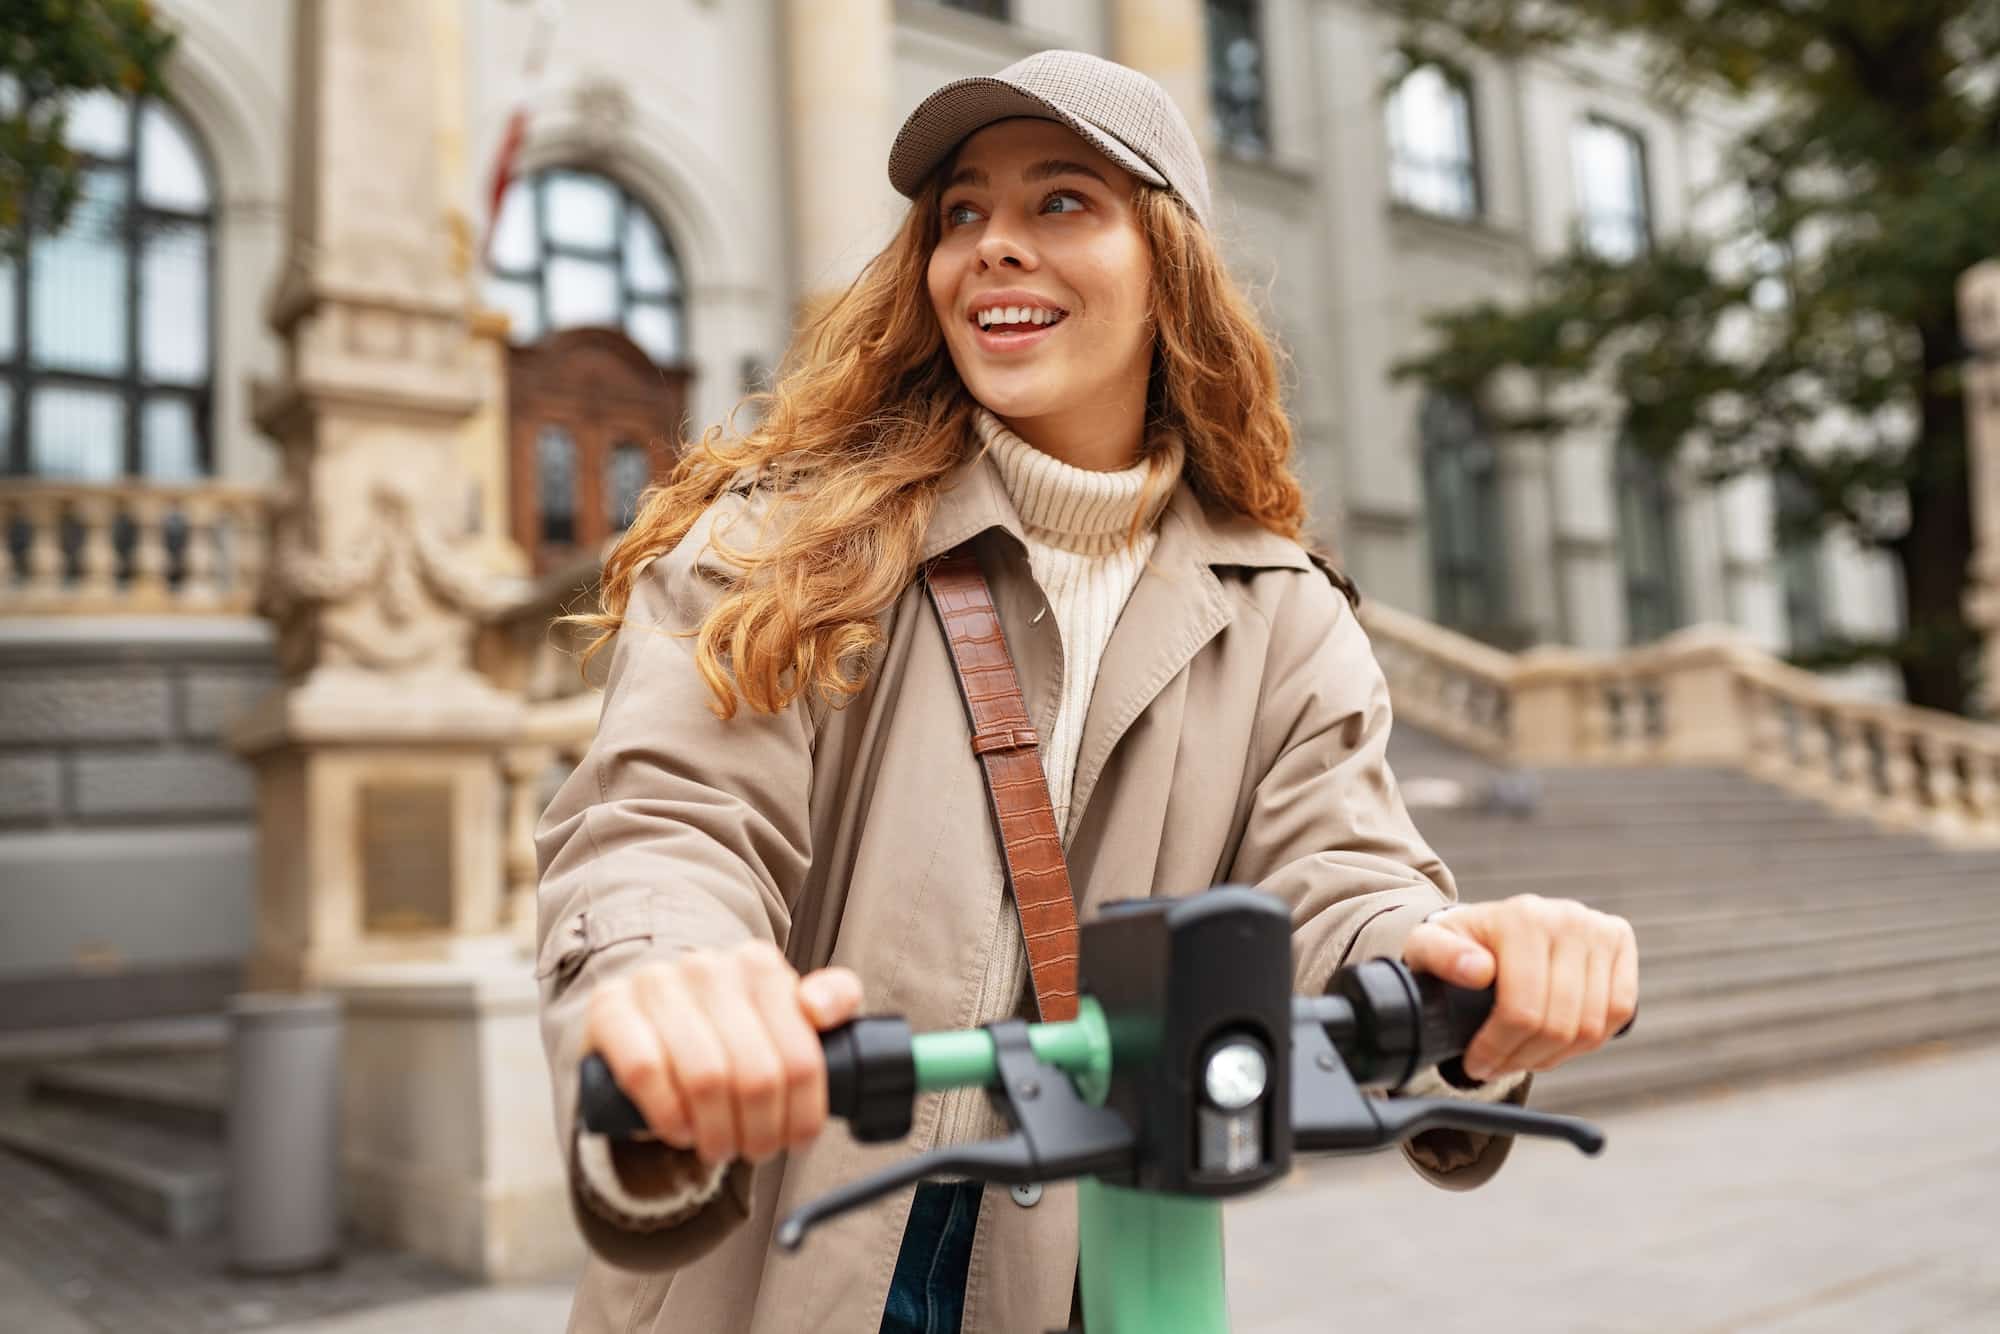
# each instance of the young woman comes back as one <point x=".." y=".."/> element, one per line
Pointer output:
<point x="1048" y="367"/>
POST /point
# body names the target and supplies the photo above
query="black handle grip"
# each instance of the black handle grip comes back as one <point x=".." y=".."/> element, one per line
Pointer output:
<point x="1402" y="1021"/>
<point x="871" y="1083"/>
<point x="1452" y="1016"/>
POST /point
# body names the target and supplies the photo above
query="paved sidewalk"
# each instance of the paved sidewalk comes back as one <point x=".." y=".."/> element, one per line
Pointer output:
<point x="1866" y="1201"/>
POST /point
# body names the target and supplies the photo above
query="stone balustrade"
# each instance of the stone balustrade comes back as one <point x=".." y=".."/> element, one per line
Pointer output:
<point x="131" y="547"/>
<point x="1444" y="682"/>
<point x="1702" y="696"/>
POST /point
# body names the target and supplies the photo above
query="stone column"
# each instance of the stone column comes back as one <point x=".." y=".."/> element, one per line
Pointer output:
<point x="1979" y="322"/>
<point x="1167" y="39"/>
<point x="379" y="759"/>
<point x="840" y="101"/>
<point x="378" y="795"/>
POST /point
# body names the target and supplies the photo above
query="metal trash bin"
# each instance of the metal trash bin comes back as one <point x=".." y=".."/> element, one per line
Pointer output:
<point x="284" y="1132"/>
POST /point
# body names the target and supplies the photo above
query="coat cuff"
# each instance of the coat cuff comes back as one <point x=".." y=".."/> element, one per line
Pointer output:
<point x="642" y="1185"/>
<point x="1462" y="1159"/>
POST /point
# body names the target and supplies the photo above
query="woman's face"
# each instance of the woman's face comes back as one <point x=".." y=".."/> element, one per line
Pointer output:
<point x="1041" y="278"/>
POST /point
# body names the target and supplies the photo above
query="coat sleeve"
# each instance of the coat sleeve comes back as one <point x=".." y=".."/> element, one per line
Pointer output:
<point x="678" y="831"/>
<point x="1328" y="833"/>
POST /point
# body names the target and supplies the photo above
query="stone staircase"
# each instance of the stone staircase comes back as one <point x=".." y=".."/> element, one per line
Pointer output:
<point x="136" y="1122"/>
<point x="1774" y="935"/>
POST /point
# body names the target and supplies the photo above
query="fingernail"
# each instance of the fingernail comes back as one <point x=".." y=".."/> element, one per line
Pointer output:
<point x="1468" y="964"/>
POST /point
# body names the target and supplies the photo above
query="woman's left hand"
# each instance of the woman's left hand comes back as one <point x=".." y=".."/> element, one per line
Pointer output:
<point x="1568" y="977"/>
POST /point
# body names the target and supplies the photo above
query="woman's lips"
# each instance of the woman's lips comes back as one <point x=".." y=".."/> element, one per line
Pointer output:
<point x="999" y="342"/>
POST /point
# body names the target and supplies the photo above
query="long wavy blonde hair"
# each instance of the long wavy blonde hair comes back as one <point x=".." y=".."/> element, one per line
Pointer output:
<point x="867" y="419"/>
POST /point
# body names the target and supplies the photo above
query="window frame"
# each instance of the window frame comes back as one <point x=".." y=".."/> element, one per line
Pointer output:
<point x="1643" y="166"/>
<point x="1225" y="144"/>
<point x="547" y="248"/>
<point x="1633" y="470"/>
<point x="20" y="373"/>
<point x="1473" y="456"/>
<point x="1460" y="80"/>
<point x="1801" y="567"/>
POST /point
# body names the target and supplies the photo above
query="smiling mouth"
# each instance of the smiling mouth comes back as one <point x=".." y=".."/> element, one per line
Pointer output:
<point x="1016" y="319"/>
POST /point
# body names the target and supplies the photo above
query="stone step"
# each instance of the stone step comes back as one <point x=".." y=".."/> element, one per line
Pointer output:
<point x="1819" y="970"/>
<point x="1611" y="1077"/>
<point x="173" y="1184"/>
<point x="1605" y="816"/>
<point x="1555" y="858"/>
<point x="1723" y="933"/>
<point x="1765" y="836"/>
<point x="184" y="1093"/>
<point x="1673" y="898"/>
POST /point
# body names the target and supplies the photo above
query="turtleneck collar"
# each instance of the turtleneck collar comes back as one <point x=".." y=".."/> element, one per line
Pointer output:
<point x="1077" y="508"/>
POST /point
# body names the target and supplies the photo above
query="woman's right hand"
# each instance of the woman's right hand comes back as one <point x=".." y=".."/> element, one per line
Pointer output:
<point x="719" y="1049"/>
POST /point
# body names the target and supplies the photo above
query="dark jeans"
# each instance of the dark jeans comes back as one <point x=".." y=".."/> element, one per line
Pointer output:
<point x="927" y="1294"/>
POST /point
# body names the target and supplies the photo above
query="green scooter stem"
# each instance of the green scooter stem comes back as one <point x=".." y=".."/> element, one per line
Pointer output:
<point x="1151" y="1263"/>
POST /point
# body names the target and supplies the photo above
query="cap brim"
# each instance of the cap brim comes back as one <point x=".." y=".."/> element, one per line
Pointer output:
<point x="948" y="116"/>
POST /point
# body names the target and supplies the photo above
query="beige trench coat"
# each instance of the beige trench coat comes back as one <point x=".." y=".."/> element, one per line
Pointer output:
<point x="1235" y="735"/>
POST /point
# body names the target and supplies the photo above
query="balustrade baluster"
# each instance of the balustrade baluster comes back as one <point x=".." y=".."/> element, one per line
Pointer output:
<point x="1982" y="793"/>
<point x="45" y="558"/>
<point x="1943" y="793"/>
<point x="1900" y="802"/>
<point x="97" y="561"/>
<point x="1768" y="757"/>
<point x="199" y="587"/>
<point x="148" y="510"/>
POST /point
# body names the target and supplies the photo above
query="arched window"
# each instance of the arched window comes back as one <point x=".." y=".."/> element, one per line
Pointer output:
<point x="1648" y="548"/>
<point x="1462" y="505"/>
<point x="107" y="335"/>
<point x="573" y="249"/>
<point x="1614" y="207"/>
<point x="1433" y="158"/>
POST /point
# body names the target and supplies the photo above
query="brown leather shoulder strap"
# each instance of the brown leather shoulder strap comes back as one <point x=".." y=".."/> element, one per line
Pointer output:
<point x="1003" y="736"/>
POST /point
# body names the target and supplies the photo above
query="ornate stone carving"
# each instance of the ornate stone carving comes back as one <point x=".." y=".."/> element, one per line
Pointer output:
<point x="398" y="598"/>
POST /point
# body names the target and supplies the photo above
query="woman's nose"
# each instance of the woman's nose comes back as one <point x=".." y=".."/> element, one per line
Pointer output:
<point x="998" y="248"/>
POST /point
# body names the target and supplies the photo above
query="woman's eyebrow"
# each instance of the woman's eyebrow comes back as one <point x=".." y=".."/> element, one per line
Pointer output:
<point x="1041" y="171"/>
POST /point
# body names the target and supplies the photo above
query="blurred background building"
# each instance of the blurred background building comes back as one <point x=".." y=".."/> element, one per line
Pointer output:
<point x="270" y="300"/>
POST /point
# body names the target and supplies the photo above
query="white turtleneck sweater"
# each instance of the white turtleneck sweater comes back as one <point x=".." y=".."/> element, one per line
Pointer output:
<point x="1079" y="525"/>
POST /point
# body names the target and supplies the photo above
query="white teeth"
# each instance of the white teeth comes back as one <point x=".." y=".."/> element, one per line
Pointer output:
<point x="993" y="315"/>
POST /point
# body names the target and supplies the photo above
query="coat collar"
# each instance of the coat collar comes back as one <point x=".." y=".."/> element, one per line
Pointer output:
<point x="974" y="500"/>
<point x="1177" y="606"/>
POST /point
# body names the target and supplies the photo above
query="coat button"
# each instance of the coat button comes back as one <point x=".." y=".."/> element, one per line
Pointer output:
<point x="1027" y="1196"/>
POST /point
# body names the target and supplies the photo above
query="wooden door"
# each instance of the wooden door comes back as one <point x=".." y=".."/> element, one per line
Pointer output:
<point x="592" y="421"/>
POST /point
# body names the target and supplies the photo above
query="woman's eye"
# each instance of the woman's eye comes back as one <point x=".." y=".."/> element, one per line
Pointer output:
<point x="959" y="213"/>
<point x="1075" y="204"/>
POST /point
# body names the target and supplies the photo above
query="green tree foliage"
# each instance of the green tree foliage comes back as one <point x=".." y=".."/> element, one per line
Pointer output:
<point x="51" y="50"/>
<point x="1867" y="169"/>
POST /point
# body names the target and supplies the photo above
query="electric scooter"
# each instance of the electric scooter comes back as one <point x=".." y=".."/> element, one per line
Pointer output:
<point x="1190" y="1075"/>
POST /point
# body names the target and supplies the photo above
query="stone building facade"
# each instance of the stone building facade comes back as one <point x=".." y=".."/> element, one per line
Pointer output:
<point x="693" y="173"/>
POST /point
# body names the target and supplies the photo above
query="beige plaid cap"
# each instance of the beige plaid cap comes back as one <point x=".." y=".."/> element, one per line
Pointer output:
<point x="1122" y="113"/>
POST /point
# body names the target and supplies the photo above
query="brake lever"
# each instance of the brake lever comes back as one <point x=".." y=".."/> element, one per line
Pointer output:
<point x="1330" y="1114"/>
<point x="1401" y="1118"/>
<point x="1059" y="1136"/>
